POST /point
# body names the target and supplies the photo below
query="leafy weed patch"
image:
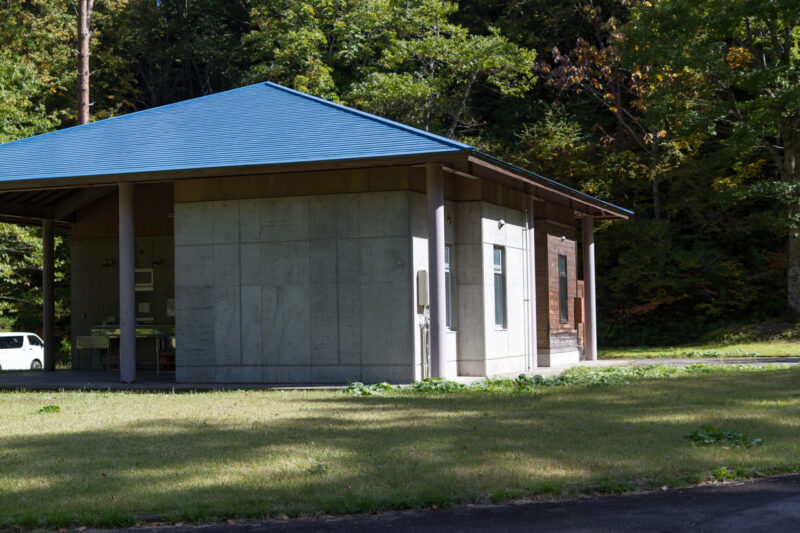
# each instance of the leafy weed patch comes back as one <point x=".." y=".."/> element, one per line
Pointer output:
<point x="576" y="376"/>
<point x="708" y="435"/>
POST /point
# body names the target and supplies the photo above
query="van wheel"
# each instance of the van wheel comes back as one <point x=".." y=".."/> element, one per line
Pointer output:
<point x="36" y="364"/>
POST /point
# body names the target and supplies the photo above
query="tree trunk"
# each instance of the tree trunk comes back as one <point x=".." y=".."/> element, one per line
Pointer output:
<point x="793" y="259"/>
<point x="656" y="198"/>
<point x="791" y="174"/>
<point x="85" y="8"/>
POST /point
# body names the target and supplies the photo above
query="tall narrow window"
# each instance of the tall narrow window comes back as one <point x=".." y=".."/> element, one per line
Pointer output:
<point x="448" y="288"/>
<point x="500" y="287"/>
<point x="562" y="289"/>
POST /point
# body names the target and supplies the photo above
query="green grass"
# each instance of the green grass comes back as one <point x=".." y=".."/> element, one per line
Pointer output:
<point x="762" y="339"/>
<point x="112" y="459"/>
<point x="786" y="348"/>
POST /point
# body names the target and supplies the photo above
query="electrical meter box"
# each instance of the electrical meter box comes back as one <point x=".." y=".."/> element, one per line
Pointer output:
<point x="422" y="288"/>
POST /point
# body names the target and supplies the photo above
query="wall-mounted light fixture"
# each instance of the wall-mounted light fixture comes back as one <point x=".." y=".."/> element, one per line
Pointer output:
<point x="501" y="223"/>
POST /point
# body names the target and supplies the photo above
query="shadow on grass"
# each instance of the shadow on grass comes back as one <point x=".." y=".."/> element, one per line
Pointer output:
<point x="341" y="454"/>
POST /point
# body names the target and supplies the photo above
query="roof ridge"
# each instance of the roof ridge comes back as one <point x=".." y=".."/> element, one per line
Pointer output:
<point x="376" y="118"/>
<point x="132" y="113"/>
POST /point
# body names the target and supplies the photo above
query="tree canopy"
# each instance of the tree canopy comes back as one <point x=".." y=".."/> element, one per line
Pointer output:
<point x="686" y="111"/>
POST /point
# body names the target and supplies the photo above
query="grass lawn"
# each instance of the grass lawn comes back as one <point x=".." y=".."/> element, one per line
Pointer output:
<point x="110" y="459"/>
<point x="711" y="349"/>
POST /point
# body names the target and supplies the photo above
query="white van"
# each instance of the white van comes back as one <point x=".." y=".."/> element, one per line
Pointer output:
<point x="21" y="351"/>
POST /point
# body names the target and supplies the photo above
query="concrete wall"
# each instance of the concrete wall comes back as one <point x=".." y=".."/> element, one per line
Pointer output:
<point x="295" y="290"/>
<point x="506" y="349"/>
<point x="476" y="347"/>
<point x="471" y="301"/>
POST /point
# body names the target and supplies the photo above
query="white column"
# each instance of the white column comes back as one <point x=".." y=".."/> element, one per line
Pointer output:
<point x="48" y="295"/>
<point x="127" y="292"/>
<point x="590" y="302"/>
<point x="435" y="192"/>
<point x="534" y="355"/>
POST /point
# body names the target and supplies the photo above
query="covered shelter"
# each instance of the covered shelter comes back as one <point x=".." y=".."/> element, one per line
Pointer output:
<point x="262" y="235"/>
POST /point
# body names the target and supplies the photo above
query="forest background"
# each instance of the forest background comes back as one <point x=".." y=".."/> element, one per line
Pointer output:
<point x="685" y="111"/>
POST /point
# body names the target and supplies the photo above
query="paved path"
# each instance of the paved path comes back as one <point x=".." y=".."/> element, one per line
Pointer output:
<point x="770" y="505"/>
<point x="602" y="363"/>
<point x="77" y="380"/>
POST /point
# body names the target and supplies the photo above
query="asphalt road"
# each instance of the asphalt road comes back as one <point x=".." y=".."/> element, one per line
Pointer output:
<point x="769" y="504"/>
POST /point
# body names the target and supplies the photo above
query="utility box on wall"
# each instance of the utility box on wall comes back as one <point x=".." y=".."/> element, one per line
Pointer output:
<point x="422" y="289"/>
<point x="579" y="310"/>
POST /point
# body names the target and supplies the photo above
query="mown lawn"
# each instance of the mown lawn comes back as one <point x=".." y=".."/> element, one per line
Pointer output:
<point x="789" y="348"/>
<point x="110" y="459"/>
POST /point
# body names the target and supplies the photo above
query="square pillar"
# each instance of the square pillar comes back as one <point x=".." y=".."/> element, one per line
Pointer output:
<point x="436" y="274"/>
<point x="127" y="287"/>
<point x="590" y="302"/>
<point x="534" y="348"/>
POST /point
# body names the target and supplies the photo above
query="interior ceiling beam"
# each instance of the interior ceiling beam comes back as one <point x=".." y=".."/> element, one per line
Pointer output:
<point x="79" y="199"/>
<point x="451" y="170"/>
<point x="57" y="205"/>
<point x="31" y="222"/>
<point x="21" y="210"/>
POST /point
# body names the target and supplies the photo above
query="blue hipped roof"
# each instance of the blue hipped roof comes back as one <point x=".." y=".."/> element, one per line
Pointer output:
<point x="255" y="126"/>
<point x="261" y="124"/>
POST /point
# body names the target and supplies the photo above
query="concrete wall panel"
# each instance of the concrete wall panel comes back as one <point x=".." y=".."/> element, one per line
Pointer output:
<point x="324" y="324"/>
<point x="194" y="266"/>
<point x="195" y="326"/>
<point x="194" y="223"/>
<point x="251" y="325"/>
<point x="285" y="332"/>
<point x="384" y="338"/>
<point x="227" y="325"/>
<point x="296" y="285"/>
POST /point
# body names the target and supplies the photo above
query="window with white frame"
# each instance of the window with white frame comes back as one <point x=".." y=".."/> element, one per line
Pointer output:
<point x="500" y="287"/>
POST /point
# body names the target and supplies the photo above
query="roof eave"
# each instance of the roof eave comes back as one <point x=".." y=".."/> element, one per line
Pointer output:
<point x="601" y="209"/>
<point x="58" y="182"/>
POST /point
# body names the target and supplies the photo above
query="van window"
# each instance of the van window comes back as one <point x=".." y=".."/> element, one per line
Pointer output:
<point x="9" y="343"/>
<point x="33" y="340"/>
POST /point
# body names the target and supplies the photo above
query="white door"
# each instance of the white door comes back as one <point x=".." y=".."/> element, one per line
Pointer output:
<point x="35" y="351"/>
<point x="12" y="352"/>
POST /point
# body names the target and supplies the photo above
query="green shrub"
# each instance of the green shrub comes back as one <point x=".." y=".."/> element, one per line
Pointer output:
<point x="575" y="376"/>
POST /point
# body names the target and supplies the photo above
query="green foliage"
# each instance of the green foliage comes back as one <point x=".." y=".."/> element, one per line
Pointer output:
<point x="715" y="354"/>
<point x="579" y="376"/>
<point x="21" y="114"/>
<point x="357" y="388"/>
<point x="403" y="60"/>
<point x="698" y="96"/>
<point x="759" y="332"/>
<point x="730" y="77"/>
<point x="146" y="53"/>
<point x="21" y="279"/>
<point x="48" y="409"/>
<point x="708" y="434"/>
<point x="436" y="385"/>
